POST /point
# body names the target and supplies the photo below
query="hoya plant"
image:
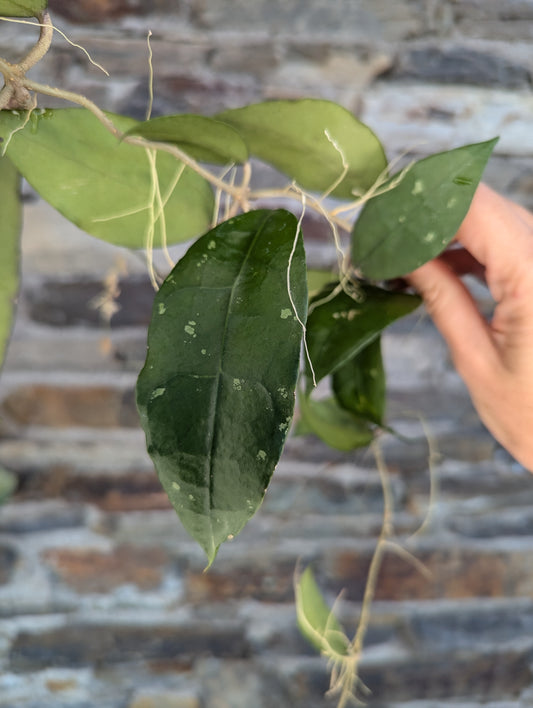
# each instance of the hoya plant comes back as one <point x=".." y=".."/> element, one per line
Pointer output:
<point x="240" y="327"/>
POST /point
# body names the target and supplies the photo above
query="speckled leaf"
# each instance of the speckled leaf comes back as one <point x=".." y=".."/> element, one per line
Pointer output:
<point x="22" y="8"/>
<point x="10" y="225"/>
<point x="339" y="328"/>
<point x="336" y="426"/>
<point x="414" y="221"/>
<point x="216" y="395"/>
<point x="102" y="185"/>
<point x="204" y="139"/>
<point x="316" y="621"/>
<point x="359" y="384"/>
<point x="293" y="137"/>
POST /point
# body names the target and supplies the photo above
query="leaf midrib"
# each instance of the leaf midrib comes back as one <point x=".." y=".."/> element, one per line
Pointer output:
<point x="212" y="422"/>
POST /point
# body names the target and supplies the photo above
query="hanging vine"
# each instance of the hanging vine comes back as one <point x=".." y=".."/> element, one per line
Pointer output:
<point x="216" y="396"/>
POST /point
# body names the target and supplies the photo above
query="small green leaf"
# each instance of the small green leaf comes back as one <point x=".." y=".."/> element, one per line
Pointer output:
<point x="340" y="327"/>
<point x="204" y="139"/>
<point x="304" y="139"/>
<point x="216" y="395"/>
<point x="316" y="621"/>
<point x="10" y="226"/>
<point x="359" y="385"/>
<point x="334" y="425"/>
<point x="22" y="8"/>
<point x="102" y="185"/>
<point x="415" y="220"/>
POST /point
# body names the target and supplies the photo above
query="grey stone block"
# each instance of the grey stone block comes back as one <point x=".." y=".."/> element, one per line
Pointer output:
<point x="69" y="303"/>
<point x="41" y="516"/>
<point x="481" y="624"/>
<point x="77" y="645"/>
<point x="461" y="65"/>
<point x="463" y="674"/>
<point x="365" y="19"/>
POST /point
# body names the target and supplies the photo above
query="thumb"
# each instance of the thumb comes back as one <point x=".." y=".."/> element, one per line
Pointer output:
<point x="457" y="317"/>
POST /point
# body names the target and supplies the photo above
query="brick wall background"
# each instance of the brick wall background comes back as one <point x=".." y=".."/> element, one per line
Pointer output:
<point x="103" y="601"/>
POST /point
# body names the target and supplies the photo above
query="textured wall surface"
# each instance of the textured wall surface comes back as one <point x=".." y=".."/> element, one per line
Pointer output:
<point x="103" y="598"/>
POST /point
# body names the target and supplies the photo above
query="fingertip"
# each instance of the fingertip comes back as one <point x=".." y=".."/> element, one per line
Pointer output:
<point x="455" y="314"/>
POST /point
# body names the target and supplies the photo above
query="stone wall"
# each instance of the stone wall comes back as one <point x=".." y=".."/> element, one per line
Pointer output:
<point x="103" y="598"/>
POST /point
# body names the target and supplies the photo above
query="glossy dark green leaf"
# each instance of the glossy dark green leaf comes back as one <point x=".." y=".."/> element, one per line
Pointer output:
<point x="216" y="395"/>
<point x="102" y="185"/>
<point x="334" y="425"/>
<point x="10" y="226"/>
<point x="303" y="138"/>
<point x="316" y="621"/>
<point x="22" y="8"/>
<point x="359" y="384"/>
<point x="414" y="221"/>
<point x="341" y="327"/>
<point x="204" y="139"/>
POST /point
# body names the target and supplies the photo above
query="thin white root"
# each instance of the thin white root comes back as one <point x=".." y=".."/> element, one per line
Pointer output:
<point x="289" y="291"/>
<point x="56" y="29"/>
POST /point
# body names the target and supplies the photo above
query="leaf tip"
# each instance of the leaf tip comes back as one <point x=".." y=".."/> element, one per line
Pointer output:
<point x="210" y="560"/>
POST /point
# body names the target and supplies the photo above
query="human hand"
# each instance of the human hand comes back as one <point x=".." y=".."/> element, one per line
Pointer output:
<point x="495" y="359"/>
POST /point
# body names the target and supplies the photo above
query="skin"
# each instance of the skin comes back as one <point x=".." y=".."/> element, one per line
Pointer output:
<point x="495" y="359"/>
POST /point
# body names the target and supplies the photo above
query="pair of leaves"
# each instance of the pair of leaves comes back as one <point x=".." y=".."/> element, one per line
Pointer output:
<point x="316" y="621"/>
<point x="317" y="143"/>
<point x="343" y="339"/>
<point x="114" y="191"/>
<point x="216" y="394"/>
<point x="22" y="8"/>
